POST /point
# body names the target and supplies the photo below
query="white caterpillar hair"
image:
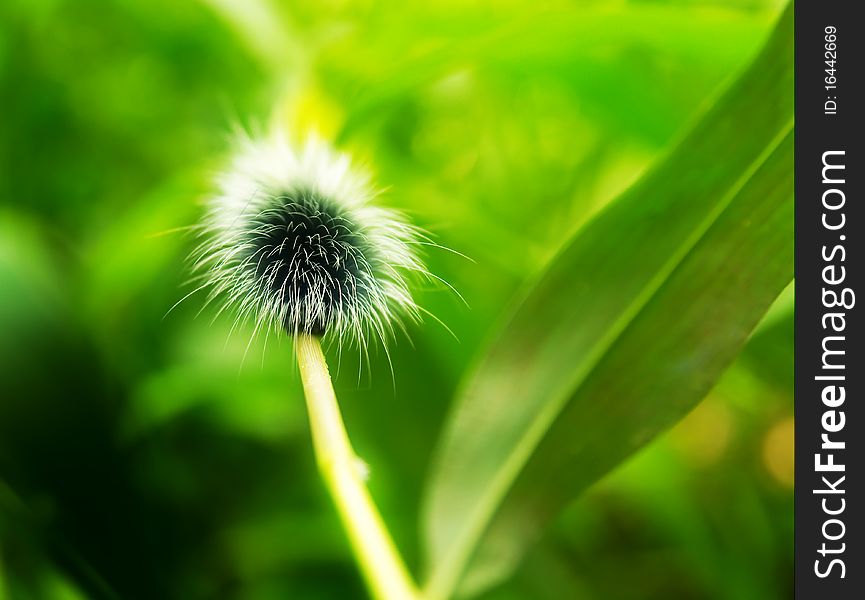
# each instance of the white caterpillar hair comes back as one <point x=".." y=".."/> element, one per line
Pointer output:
<point x="293" y="242"/>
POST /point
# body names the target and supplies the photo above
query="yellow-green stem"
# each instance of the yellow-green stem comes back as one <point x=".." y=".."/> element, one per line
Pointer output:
<point x="377" y="556"/>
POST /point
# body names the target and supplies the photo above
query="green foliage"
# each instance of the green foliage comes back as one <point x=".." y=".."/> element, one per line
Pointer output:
<point x="148" y="455"/>
<point x="628" y="327"/>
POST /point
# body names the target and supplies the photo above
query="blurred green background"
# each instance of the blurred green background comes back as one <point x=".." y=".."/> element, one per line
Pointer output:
<point x="142" y="456"/>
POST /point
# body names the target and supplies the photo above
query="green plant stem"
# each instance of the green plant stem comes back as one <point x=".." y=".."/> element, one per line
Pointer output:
<point x="376" y="554"/>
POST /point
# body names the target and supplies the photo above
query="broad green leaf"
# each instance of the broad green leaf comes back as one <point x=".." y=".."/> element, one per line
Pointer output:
<point x="628" y="328"/>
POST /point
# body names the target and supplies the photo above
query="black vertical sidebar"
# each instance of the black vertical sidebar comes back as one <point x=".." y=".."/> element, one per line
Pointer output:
<point x="830" y="328"/>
